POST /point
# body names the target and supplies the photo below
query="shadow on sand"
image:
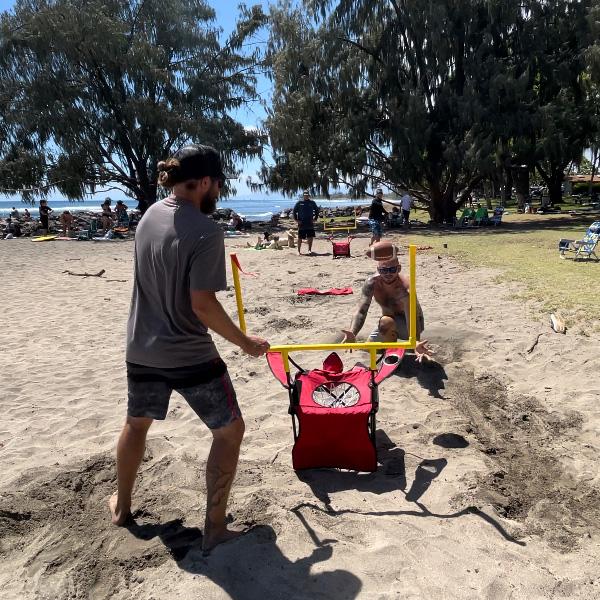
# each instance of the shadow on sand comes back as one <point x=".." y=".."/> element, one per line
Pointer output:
<point x="253" y="566"/>
<point x="430" y="375"/>
<point x="264" y="566"/>
<point x="391" y="476"/>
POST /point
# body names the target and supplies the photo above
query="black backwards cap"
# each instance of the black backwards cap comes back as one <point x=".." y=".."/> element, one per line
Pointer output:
<point x="197" y="161"/>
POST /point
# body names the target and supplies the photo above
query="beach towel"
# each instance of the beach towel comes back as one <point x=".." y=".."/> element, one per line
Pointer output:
<point x="329" y="292"/>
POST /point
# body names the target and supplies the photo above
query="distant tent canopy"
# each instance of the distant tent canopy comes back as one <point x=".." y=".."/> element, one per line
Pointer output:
<point x="583" y="178"/>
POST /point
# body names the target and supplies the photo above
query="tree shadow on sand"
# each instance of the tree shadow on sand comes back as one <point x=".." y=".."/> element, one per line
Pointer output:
<point x="391" y="476"/>
<point x="264" y="566"/>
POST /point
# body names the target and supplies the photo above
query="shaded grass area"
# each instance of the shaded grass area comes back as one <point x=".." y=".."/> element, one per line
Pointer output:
<point x="525" y="250"/>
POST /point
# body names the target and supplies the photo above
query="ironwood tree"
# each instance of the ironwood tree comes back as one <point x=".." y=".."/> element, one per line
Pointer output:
<point x="430" y="96"/>
<point x="559" y="100"/>
<point x="96" y="92"/>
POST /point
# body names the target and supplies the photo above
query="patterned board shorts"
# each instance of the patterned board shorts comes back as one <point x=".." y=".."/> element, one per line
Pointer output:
<point x="376" y="227"/>
<point x="207" y="388"/>
<point x="401" y="328"/>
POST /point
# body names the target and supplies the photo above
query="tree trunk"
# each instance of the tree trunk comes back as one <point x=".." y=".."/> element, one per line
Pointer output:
<point x="145" y="197"/>
<point x="521" y="179"/>
<point x="553" y="178"/>
<point x="555" y="184"/>
<point x="507" y="186"/>
<point x="436" y="205"/>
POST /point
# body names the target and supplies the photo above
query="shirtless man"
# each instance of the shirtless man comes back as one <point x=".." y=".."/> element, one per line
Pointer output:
<point x="66" y="222"/>
<point x="390" y="289"/>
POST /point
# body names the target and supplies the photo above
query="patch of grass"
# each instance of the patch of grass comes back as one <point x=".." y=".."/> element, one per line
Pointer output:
<point x="525" y="249"/>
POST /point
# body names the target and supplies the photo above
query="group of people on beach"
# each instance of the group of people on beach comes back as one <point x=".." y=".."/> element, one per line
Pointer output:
<point x="109" y="218"/>
<point x="15" y="220"/>
<point x="306" y="212"/>
<point x="179" y="265"/>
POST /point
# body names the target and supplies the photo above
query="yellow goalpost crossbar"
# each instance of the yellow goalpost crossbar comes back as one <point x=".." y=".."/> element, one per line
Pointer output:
<point x="371" y="347"/>
<point x="339" y="223"/>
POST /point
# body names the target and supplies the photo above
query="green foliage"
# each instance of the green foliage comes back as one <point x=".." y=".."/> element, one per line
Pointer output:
<point x="423" y="94"/>
<point x="561" y="125"/>
<point x="585" y="188"/>
<point x="101" y="90"/>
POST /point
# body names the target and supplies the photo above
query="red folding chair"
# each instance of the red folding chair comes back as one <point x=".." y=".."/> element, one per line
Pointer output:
<point x="341" y="248"/>
<point x="333" y="411"/>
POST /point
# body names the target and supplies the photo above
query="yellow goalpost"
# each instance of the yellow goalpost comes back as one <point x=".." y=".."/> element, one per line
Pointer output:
<point x="371" y="347"/>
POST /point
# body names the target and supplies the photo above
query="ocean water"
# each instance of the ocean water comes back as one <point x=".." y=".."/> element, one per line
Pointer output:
<point x="254" y="209"/>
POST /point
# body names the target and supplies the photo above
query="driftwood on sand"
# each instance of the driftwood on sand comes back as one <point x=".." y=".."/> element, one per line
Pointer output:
<point x="98" y="274"/>
<point x="534" y="343"/>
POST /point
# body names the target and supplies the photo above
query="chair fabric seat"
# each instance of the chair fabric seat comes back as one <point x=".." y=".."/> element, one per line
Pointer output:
<point x="341" y="249"/>
<point x="334" y="415"/>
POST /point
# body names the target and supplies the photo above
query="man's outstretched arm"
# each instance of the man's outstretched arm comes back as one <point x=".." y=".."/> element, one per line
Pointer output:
<point x="358" y="320"/>
<point x="212" y="314"/>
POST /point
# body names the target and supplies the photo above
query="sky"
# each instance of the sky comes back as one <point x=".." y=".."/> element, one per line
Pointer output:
<point x="250" y="116"/>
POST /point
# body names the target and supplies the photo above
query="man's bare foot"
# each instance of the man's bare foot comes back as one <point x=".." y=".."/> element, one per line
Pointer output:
<point x="209" y="541"/>
<point x="118" y="515"/>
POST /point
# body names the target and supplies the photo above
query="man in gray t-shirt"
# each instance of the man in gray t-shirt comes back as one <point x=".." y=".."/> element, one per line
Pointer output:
<point x="177" y="249"/>
<point x="179" y="265"/>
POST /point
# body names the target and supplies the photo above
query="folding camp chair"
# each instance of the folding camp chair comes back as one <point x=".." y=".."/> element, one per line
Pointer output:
<point x="481" y="216"/>
<point x="333" y="411"/>
<point x="496" y="218"/>
<point x="340" y="247"/>
<point x="584" y="248"/>
<point x="463" y="220"/>
<point x="90" y="233"/>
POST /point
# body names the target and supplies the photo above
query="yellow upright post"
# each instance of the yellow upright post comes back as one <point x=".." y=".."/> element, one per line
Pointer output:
<point x="238" y="291"/>
<point x="412" y="331"/>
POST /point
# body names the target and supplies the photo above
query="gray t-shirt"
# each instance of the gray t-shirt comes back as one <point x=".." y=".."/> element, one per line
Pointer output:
<point x="177" y="249"/>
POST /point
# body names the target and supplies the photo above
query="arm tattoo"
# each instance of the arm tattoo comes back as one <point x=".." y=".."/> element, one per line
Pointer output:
<point x="363" y="308"/>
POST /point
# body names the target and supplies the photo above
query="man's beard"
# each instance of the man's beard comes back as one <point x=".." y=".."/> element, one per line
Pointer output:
<point x="208" y="203"/>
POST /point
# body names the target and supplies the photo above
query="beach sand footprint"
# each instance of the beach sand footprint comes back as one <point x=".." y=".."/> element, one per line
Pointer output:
<point x="523" y="443"/>
<point x="58" y="528"/>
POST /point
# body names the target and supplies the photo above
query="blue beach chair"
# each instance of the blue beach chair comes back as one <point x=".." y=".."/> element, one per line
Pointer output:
<point x="584" y="248"/>
<point x="496" y="218"/>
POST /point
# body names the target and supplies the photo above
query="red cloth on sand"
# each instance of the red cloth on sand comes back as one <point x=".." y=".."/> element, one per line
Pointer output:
<point x="330" y="292"/>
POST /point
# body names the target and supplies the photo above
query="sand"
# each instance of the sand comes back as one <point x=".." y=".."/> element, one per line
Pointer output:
<point x="488" y="485"/>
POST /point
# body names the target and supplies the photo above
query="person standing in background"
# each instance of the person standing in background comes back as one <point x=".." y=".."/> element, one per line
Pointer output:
<point x="305" y="213"/>
<point x="67" y="222"/>
<point x="107" y="214"/>
<point x="45" y="210"/>
<point x="406" y="203"/>
<point x="377" y="216"/>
